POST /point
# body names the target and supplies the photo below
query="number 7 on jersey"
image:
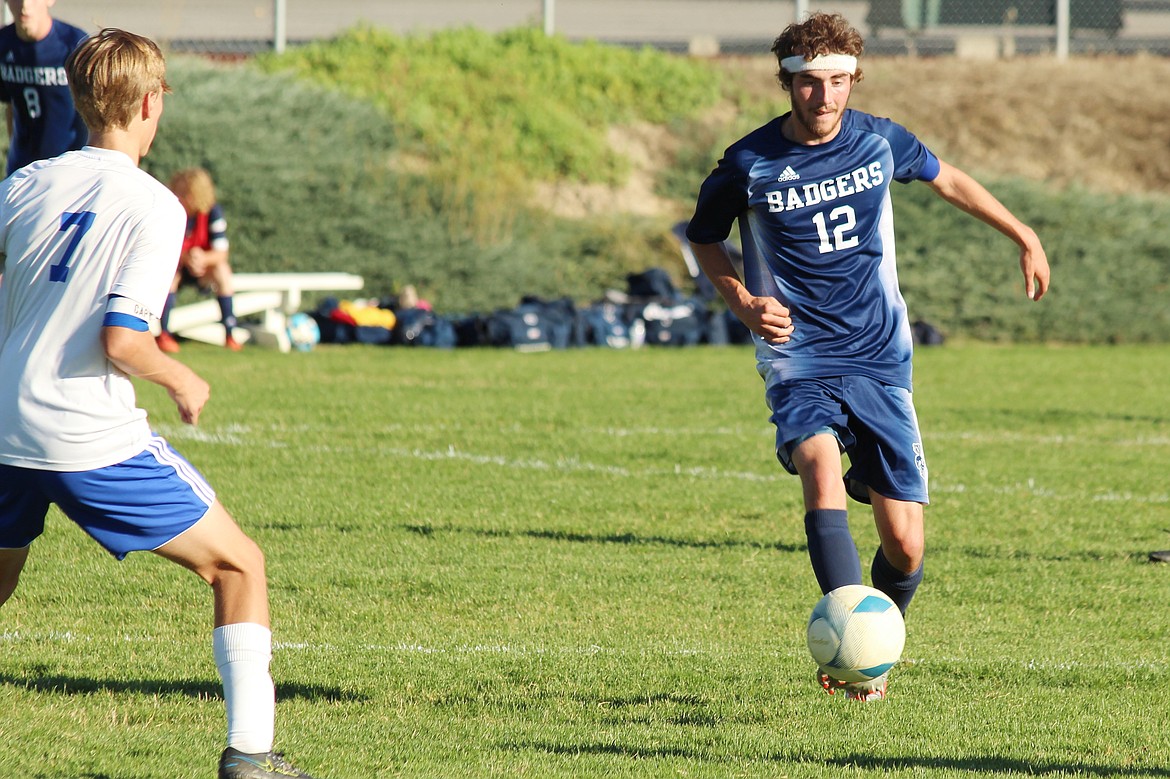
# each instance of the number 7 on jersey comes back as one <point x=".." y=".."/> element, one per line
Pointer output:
<point x="82" y="220"/>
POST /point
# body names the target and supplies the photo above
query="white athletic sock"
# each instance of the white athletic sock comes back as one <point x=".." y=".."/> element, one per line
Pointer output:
<point x="242" y="654"/>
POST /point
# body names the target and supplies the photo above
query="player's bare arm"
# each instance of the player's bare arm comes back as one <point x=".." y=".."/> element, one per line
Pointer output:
<point x="765" y="316"/>
<point x="964" y="192"/>
<point x="136" y="354"/>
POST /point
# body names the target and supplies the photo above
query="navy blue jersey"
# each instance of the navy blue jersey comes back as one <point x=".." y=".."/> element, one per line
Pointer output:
<point x="33" y="80"/>
<point x="818" y="235"/>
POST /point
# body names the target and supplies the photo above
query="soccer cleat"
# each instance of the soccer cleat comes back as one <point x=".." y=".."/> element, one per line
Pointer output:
<point x="234" y="764"/>
<point x="873" y="690"/>
<point x="232" y="344"/>
<point x="167" y="343"/>
<point x="829" y="684"/>
<point x="1160" y="557"/>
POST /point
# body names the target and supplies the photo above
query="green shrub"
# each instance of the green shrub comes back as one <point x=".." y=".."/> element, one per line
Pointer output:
<point x="308" y="181"/>
<point x="517" y="100"/>
<point x="1110" y="259"/>
<point x="491" y="114"/>
<point x="301" y="171"/>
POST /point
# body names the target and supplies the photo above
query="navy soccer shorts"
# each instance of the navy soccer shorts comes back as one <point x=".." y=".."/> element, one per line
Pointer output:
<point x="136" y="505"/>
<point x="874" y="423"/>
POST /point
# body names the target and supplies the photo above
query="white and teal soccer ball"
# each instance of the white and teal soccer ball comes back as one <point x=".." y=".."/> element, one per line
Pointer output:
<point x="856" y="633"/>
<point x="303" y="332"/>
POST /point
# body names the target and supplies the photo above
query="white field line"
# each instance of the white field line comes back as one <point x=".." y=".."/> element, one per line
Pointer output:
<point x="16" y="637"/>
<point x="239" y="435"/>
<point x="573" y="464"/>
<point x="1030" y="487"/>
<point x="1054" y="439"/>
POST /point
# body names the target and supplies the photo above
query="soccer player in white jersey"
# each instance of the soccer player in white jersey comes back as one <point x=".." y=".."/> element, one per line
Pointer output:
<point x="90" y="244"/>
<point x="810" y="192"/>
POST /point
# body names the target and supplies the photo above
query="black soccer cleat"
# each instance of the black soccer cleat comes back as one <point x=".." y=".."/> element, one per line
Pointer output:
<point x="234" y="764"/>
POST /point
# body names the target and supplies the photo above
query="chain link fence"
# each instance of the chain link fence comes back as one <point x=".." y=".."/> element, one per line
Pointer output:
<point x="966" y="28"/>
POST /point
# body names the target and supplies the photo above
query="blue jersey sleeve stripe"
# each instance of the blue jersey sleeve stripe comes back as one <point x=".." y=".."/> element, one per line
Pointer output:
<point x="118" y="319"/>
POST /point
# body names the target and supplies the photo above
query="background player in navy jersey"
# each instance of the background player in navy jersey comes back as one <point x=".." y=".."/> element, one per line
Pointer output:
<point x="810" y="192"/>
<point x="42" y="122"/>
<point x="204" y="256"/>
<point x="89" y="244"/>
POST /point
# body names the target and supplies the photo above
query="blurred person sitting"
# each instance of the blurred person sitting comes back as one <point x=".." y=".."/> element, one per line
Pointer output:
<point x="204" y="257"/>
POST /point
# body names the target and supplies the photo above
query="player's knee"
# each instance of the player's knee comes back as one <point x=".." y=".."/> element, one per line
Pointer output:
<point x="905" y="554"/>
<point x="249" y="559"/>
<point x="8" y="582"/>
<point x="240" y="566"/>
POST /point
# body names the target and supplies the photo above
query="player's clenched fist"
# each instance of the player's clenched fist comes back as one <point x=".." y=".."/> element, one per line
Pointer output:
<point x="768" y="318"/>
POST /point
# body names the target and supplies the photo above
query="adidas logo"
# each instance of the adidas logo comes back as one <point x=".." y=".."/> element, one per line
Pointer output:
<point x="789" y="175"/>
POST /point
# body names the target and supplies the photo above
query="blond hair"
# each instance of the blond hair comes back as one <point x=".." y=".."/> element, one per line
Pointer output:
<point x="820" y="33"/>
<point x="195" y="188"/>
<point x="109" y="75"/>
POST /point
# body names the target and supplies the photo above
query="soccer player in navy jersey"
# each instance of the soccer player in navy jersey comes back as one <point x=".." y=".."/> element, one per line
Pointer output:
<point x="810" y="193"/>
<point x="42" y="121"/>
<point x="204" y="256"/>
<point x="88" y="246"/>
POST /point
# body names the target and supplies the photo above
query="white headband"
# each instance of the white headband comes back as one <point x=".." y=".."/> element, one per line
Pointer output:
<point x="797" y="63"/>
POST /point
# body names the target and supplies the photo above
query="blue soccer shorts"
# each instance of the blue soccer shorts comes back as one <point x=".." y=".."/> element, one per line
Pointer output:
<point x="136" y="505"/>
<point x="874" y="423"/>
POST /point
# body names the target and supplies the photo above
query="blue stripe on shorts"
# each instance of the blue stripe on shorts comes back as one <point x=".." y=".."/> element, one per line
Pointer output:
<point x="136" y="505"/>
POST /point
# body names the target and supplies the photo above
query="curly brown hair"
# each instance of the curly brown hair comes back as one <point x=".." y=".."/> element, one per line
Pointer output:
<point x="820" y="33"/>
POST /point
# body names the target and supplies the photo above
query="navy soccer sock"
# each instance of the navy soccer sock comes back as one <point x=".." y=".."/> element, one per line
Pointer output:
<point x="227" y="316"/>
<point x="164" y="321"/>
<point x="831" y="548"/>
<point x="898" y="585"/>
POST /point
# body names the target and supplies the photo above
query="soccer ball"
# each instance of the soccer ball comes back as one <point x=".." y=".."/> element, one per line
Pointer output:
<point x="856" y="633"/>
<point x="303" y="331"/>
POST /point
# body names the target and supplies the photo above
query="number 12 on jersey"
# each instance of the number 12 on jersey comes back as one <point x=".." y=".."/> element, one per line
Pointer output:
<point x="843" y="220"/>
<point x="82" y="220"/>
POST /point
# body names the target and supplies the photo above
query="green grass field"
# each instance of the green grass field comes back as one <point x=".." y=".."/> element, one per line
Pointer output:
<point x="588" y="563"/>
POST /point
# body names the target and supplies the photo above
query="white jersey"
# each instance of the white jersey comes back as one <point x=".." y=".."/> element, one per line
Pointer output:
<point x="75" y="230"/>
